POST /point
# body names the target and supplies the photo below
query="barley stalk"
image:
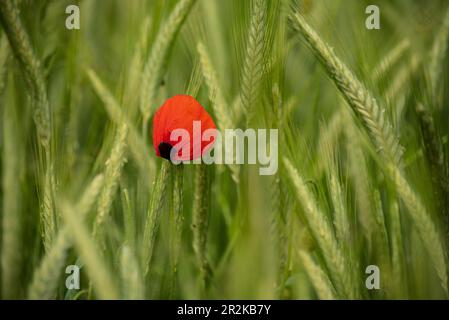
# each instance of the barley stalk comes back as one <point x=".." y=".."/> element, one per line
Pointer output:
<point x="381" y="235"/>
<point x="153" y="69"/>
<point x="90" y="195"/>
<point x="129" y="220"/>
<point x="156" y="204"/>
<point x="280" y="233"/>
<point x="177" y="218"/>
<point x="281" y="219"/>
<point x="397" y="252"/>
<point x="200" y="222"/>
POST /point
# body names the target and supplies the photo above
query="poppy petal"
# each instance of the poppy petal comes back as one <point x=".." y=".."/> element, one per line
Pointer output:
<point x="181" y="112"/>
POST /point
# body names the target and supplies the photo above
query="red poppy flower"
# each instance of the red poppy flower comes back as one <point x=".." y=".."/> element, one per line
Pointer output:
<point x="178" y="128"/>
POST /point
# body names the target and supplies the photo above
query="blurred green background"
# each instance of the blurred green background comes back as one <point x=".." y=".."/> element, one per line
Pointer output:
<point x="226" y="232"/>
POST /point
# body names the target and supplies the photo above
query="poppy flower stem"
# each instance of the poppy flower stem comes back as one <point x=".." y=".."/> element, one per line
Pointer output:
<point x="200" y="223"/>
<point x="176" y="223"/>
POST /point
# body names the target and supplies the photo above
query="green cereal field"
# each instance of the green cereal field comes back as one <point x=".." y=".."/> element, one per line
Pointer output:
<point x="335" y="184"/>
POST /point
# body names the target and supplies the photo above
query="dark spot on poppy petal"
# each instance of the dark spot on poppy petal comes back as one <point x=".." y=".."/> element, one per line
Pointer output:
<point x="164" y="150"/>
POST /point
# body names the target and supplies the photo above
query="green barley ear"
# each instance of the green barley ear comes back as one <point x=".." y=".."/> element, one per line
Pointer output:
<point x="383" y="138"/>
<point x="253" y="63"/>
<point x="426" y="228"/>
<point x="113" y="171"/>
<point x="47" y="275"/>
<point x="153" y="70"/>
<point x="323" y="234"/>
<point x="49" y="220"/>
<point x="356" y="95"/>
<point x="341" y="221"/>
<point x="329" y="137"/>
<point x="30" y="65"/>
<point x="156" y="204"/>
<point x="221" y="108"/>
<point x="328" y="152"/>
<point x="318" y="277"/>
<point x="34" y="76"/>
